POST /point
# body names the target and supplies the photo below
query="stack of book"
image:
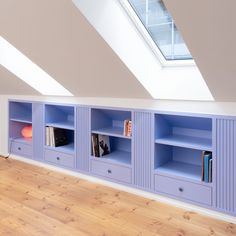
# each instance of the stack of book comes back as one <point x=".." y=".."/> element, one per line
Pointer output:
<point x="55" y="137"/>
<point x="207" y="166"/>
<point x="127" y="128"/>
<point x="100" y="145"/>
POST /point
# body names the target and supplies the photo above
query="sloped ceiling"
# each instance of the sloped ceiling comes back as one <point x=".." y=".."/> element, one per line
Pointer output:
<point x="208" y="28"/>
<point x="10" y="84"/>
<point x="55" y="36"/>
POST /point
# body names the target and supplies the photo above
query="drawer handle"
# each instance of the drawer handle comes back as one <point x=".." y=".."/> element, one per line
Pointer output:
<point x="109" y="171"/>
<point x="181" y="190"/>
<point x="19" y="148"/>
<point x="58" y="158"/>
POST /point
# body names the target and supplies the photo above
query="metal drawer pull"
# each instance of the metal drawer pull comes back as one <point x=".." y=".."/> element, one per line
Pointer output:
<point x="181" y="189"/>
<point x="19" y="148"/>
<point x="58" y="158"/>
<point x="109" y="171"/>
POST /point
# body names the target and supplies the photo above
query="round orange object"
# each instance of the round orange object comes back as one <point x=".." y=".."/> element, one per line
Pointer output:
<point x="27" y="131"/>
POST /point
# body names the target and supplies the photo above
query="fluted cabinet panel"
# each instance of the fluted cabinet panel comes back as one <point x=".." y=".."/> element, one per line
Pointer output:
<point x="226" y="165"/>
<point x="83" y="145"/>
<point x="143" y="151"/>
<point x="38" y="130"/>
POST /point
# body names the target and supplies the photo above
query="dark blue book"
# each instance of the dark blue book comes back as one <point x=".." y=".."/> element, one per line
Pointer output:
<point x="207" y="158"/>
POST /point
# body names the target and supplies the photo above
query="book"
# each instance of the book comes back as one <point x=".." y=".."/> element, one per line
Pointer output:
<point x="95" y="147"/>
<point x="51" y="137"/>
<point x="210" y="170"/>
<point x="47" y="136"/>
<point x="203" y="152"/>
<point x="125" y="127"/>
<point x="207" y="158"/>
<point x="129" y="128"/>
<point x="104" y="145"/>
<point x="59" y="137"/>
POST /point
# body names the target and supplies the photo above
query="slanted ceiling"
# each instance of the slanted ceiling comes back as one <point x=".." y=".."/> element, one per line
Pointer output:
<point x="208" y="28"/>
<point x="55" y="36"/>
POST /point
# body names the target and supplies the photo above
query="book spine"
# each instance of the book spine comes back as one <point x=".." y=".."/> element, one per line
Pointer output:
<point x="129" y="128"/>
<point x="206" y="168"/>
<point x="47" y="136"/>
<point x="125" y="127"/>
<point x="203" y="153"/>
<point x="210" y="170"/>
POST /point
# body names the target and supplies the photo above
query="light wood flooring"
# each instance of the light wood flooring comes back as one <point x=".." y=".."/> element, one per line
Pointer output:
<point x="38" y="201"/>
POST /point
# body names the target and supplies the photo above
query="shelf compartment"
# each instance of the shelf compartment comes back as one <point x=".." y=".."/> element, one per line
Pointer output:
<point x="186" y="141"/>
<point x="60" y="116"/>
<point x="20" y="111"/>
<point x="178" y="161"/>
<point x="111" y="131"/>
<point x="120" y="151"/>
<point x="184" y="131"/>
<point x="15" y="128"/>
<point x="109" y="122"/>
<point x="116" y="157"/>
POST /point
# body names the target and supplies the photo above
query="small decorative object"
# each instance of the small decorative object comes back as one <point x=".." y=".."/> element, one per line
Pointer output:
<point x="27" y="132"/>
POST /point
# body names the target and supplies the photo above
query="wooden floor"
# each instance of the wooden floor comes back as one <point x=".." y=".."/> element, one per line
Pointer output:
<point x="37" y="201"/>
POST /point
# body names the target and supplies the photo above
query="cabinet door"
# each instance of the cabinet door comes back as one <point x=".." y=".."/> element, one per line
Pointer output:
<point x="226" y="165"/>
<point x="143" y="141"/>
<point x="83" y="142"/>
<point x="38" y="130"/>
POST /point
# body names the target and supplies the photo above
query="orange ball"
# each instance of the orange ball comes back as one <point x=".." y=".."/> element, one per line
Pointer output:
<point x="27" y="131"/>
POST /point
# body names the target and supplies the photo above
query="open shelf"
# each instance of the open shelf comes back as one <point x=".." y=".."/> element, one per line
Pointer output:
<point x="20" y="112"/>
<point x="189" y="171"/>
<point x="68" y="148"/>
<point x="109" y="122"/>
<point x="111" y="131"/>
<point x="59" y="116"/>
<point x="178" y="161"/>
<point x="186" y="141"/>
<point x="116" y="157"/>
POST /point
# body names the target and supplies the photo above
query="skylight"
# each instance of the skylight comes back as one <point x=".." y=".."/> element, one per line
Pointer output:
<point x="159" y="24"/>
<point x="21" y="66"/>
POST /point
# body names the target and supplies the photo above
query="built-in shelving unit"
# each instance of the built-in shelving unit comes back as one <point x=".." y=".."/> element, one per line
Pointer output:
<point x="179" y="144"/>
<point x="62" y="117"/>
<point x="111" y="123"/>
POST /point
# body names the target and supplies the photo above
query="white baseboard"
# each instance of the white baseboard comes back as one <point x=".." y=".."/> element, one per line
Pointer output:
<point x="152" y="196"/>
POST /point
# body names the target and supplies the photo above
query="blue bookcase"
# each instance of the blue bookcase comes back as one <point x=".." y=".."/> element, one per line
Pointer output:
<point x="20" y="116"/>
<point x="117" y="164"/>
<point x="60" y="117"/>
<point x="164" y="154"/>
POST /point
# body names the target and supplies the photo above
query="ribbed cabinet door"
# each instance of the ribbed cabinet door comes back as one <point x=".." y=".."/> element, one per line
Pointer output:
<point x="38" y="130"/>
<point x="226" y="165"/>
<point x="142" y="146"/>
<point x="82" y="138"/>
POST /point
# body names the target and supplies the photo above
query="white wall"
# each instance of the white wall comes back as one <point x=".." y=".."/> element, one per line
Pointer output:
<point x="214" y="108"/>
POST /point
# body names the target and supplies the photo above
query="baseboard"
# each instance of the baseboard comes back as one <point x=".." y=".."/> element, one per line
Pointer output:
<point x="152" y="196"/>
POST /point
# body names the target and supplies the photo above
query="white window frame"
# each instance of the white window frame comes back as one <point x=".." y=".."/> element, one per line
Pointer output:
<point x="148" y="39"/>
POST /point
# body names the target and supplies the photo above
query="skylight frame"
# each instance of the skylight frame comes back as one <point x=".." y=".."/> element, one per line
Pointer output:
<point x="150" y="42"/>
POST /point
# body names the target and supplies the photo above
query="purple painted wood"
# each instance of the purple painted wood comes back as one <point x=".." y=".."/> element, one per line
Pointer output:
<point x="38" y="130"/>
<point x="83" y="139"/>
<point x="226" y="165"/>
<point x="183" y="189"/>
<point x="143" y="149"/>
<point x="59" y="158"/>
<point x="21" y="149"/>
<point x="115" y="172"/>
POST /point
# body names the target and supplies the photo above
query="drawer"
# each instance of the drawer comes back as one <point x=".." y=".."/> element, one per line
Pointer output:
<point x="111" y="171"/>
<point x="190" y="191"/>
<point x="59" y="158"/>
<point x="21" y="149"/>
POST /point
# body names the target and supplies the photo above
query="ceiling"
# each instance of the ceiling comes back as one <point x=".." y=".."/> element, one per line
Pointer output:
<point x="208" y="28"/>
<point x="55" y="36"/>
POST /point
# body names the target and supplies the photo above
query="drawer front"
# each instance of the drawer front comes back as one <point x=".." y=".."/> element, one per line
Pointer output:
<point x="59" y="158"/>
<point x="190" y="191"/>
<point x="115" y="172"/>
<point x="21" y="149"/>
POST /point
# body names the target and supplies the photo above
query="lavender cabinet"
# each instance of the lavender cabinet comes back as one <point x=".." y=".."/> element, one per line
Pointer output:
<point x="226" y="165"/>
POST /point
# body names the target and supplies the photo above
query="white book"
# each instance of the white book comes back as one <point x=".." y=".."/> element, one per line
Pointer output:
<point x="47" y="140"/>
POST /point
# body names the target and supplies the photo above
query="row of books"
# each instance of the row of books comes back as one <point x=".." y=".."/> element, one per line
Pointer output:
<point x="207" y="166"/>
<point x="127" y="128"/>
<point x="55" y="137"/>
<point x="100" y="145"/>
